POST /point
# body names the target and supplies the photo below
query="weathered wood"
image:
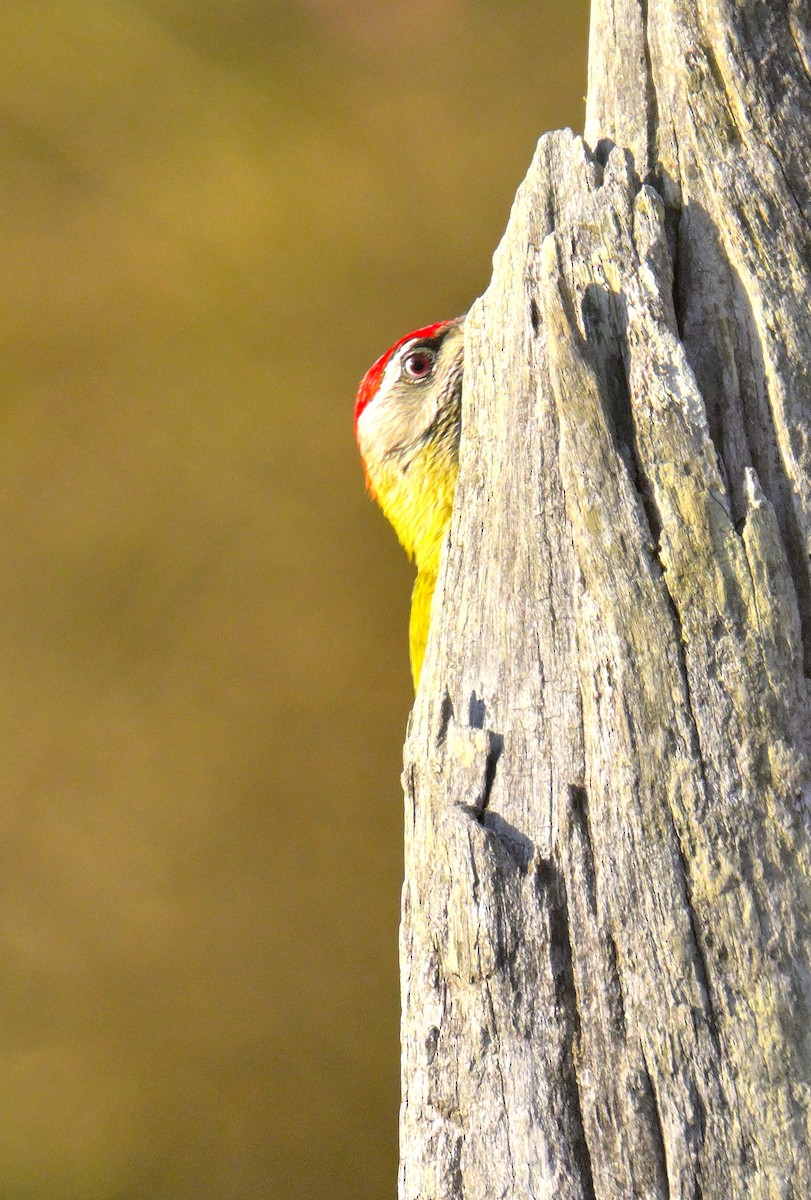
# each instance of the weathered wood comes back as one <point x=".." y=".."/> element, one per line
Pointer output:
<point x="605" y="940"/>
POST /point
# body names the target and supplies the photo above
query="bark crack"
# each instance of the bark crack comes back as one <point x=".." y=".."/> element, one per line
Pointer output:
<point x="578" y="810"/>
<point x="566" y="1001"/>
<point x="806" y="69"/>
<point x="802" y="214"/>
<point x="702" y="969"/>
<point x="657" y="1128"/>
<point x="506" y="1108"/>
<point x="651" y="102"/>
<point x="650" y="508"/>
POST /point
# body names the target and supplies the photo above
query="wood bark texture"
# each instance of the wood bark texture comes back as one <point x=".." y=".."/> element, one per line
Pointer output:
<point x="606" y="963"/>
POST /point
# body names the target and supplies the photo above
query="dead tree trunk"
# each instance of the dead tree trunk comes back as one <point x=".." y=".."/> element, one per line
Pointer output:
<point x="605" y="937"/>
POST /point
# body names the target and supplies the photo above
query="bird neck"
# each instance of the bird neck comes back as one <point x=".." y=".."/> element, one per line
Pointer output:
<point x="417" y="499"/>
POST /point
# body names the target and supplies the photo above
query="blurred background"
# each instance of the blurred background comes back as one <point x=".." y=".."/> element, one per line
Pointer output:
<point x="215" y="215"/>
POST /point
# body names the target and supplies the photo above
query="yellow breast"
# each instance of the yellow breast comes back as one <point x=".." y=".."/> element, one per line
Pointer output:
<point x="418" y="502"/>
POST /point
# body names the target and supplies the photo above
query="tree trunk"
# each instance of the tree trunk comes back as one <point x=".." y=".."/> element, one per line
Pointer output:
<point x="605" y="937"/>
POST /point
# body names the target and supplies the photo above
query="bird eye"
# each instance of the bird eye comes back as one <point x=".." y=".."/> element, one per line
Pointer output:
<point x="419" y="364"/>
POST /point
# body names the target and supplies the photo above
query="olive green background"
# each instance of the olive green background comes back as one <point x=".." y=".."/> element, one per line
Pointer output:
<point x="214" y="215"/>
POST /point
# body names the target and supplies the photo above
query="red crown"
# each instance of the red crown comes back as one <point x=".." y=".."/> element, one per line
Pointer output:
<point x="371" y="380"/>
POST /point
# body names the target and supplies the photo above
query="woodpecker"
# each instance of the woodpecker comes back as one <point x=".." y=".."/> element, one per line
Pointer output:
<point x="408" y="415"/>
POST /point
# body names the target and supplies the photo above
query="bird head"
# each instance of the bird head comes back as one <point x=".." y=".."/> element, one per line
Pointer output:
<point x="409" y="402"/>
